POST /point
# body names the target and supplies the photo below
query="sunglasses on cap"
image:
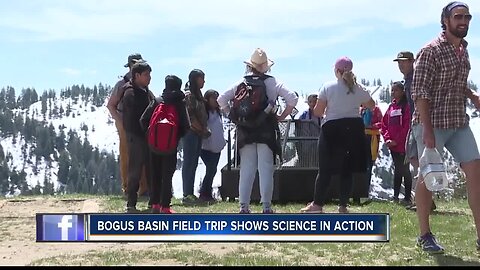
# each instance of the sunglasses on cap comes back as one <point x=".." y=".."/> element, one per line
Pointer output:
<point x="459" y="17"/>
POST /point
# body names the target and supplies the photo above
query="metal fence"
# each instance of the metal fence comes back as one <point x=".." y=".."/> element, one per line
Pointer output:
<point x="298" y="140"/>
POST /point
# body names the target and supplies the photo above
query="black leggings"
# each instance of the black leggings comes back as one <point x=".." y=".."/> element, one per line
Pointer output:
<point x="342" y="152"/>
<point x="163" y="167"/>
<point x="402" y="170"/>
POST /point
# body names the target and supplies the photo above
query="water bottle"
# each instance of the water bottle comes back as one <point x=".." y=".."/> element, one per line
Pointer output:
<point x="432" y="169"/>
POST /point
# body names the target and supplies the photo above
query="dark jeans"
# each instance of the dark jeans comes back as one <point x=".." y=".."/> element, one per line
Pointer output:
<point x="138" y="156"/>
<point x="210" y="159"/>
<point x="163" y="168"/>
<point x="402" y="170"/>
<point x="192" y="146"/>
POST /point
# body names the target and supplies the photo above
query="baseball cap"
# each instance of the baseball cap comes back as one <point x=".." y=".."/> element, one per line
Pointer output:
<point x="133" y="58"/>
<point x="344" y="64"/>
<point x="406" y="55"/>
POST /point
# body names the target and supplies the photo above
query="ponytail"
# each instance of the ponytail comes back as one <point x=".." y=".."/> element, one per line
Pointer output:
<point x="350" y="80"/>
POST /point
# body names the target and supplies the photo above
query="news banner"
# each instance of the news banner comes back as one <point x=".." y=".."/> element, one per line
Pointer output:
<point x="73" y="227"/>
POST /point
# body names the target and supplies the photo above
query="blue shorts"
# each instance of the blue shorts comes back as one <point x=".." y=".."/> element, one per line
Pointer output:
<point x="460" y="142"/>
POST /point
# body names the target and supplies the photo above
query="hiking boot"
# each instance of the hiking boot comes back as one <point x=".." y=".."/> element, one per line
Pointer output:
<point x="312" y="208"/>
<point x="406" y="203"/>
<point x="191" y="200"/>
<point x="429" y="244"/>
<point x="132" y="210"/>
<point x="156" y="209"/>
<point x="268" y="211"/>
<point x="342" y="210"/>
<point x="207" y="199"/>
<point x="244" y="211"/>
<point x="166" y="210"/>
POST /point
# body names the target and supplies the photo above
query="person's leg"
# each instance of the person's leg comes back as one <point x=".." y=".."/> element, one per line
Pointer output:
<point x="156" y="183"/>
<point x="463" y="147"/>
<point x="397" y="173"/>
<point x="322" y="182"/>
<point x="210" y="160"/>
<point x="248" y="169"/>
<point x="265" y="173"/>
<point x="407" y="179"/>
<point x="345" y="189"/>
<point x="123" y="156"/>
<point x="136" y="152"/>
<point x="169" y="164"/>
<point x="423" y="197"/>
<point x="191" y="144"/>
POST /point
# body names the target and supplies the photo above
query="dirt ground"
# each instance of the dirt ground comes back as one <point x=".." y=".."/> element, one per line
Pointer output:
<point x="18" y="232"/>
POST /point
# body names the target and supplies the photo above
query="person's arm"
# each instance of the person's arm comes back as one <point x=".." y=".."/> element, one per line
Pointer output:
<point x="225" y="98"/>
<point x="423" y="77"/>
<point x="113" y="103"/>
<point x="384" y="128"/>
<point x="129" y="110"/>
<point x="290" y="99"/>
<point x="320" y="106"/>
<point x="377" y="118"/>
<point x="474" y="97"/>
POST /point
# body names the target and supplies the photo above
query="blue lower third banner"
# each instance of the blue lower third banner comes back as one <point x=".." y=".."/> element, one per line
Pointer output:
<point x="238" y="227"/>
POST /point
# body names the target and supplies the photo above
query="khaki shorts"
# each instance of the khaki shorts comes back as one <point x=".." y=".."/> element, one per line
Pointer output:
<point x="460" y="142"/>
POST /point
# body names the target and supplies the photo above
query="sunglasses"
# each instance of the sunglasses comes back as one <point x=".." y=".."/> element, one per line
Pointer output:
<point x="459" y="17"/>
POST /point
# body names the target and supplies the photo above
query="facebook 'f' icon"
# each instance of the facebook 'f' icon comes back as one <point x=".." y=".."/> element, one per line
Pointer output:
<point x="61" y="228"/>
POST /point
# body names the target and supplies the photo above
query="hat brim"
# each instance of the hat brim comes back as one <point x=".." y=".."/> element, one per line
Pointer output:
<point x="402" y="59"/>
<point x="259" y="67"/>
<point x="126" y="65"/>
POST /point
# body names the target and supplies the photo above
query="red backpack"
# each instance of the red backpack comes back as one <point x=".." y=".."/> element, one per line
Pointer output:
<point x="162" y="134"/>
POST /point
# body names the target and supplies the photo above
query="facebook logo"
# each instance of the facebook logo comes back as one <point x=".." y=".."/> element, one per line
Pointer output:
<point x="61" y="228"/>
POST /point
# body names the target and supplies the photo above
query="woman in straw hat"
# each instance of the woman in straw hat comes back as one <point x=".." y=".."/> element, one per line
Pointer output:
<point x="257" y="143"/>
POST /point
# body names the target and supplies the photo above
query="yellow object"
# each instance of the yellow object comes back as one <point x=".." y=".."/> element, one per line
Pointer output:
<point x="375" y="135"/>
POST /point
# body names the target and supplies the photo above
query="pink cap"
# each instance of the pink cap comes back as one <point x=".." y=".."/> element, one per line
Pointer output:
<point x="344" y="63"/>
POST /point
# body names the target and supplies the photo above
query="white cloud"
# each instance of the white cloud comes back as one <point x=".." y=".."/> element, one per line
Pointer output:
<point x="112" y="19"/>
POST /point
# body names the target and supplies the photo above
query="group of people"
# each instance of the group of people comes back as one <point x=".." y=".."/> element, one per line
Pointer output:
<point x="428" y="110"/>
<point x="200" y="128"/>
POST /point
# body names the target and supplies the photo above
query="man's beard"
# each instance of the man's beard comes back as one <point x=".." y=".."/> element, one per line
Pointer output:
<point x="459" y="33"/>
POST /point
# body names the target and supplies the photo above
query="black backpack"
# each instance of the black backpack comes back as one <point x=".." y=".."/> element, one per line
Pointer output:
<point x="250" y="99"/>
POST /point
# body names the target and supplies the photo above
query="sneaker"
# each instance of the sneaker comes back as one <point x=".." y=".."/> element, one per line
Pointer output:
<point x="268" y="211"/>
<point x="132" y="210"/>
<point x="342" y="210"/>
<point x="191" y="200"/>
<point x="156" y="209"/>
<point x="429" y="244"/>
<point x="244" y="211"/>
<point x="312" y="208"/>
<point x="166" y="210"/>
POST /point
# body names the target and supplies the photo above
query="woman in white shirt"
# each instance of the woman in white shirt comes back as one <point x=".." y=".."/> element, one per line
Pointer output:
<point x="340" y="150"/>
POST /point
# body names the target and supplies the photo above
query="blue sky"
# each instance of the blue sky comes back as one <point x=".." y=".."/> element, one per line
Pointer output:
<point x="51" y="44"/>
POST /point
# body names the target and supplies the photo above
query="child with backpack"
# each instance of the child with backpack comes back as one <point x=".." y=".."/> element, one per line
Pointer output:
<point x="253" y="99"/>
<point x="211" y="146"/>
<point x="165" y="121"/>
<point x="395" y="127"/>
